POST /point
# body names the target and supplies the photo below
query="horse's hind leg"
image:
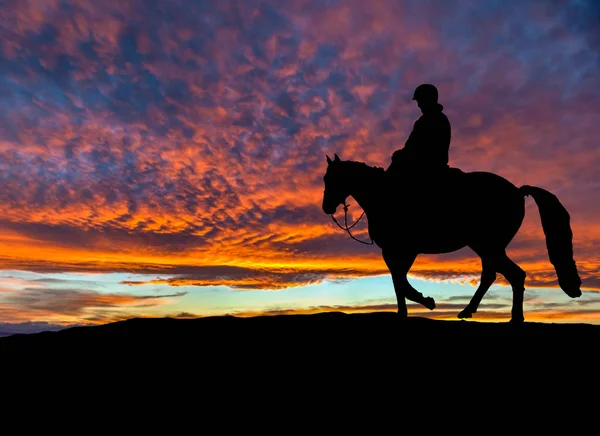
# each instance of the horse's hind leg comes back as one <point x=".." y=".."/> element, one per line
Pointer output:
<point x="516" y="277"/>
<point x="488" y="276"/>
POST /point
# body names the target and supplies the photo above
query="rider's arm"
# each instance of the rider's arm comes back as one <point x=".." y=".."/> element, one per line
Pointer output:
<point x="412" y="142"/>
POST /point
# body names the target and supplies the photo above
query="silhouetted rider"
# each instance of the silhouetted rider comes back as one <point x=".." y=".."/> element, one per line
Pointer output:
<point x="426" y="149"/>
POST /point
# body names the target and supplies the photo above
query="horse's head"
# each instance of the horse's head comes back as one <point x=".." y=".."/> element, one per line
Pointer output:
<point x="336" y="191"/>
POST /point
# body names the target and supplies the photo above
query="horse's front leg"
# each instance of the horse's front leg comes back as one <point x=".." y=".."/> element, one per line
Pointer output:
<point x="488" y="276"/>
<point x="399" y="263"/>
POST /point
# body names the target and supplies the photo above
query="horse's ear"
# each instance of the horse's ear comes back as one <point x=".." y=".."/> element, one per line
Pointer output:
<point x="337" y="158"/>
<point x="328" y="160"/>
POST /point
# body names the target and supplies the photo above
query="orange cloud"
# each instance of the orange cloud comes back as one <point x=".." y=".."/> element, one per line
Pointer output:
<point x="66" y="306"/>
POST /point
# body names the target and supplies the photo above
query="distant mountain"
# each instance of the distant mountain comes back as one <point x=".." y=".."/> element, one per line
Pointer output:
<point x="7" y="329"/>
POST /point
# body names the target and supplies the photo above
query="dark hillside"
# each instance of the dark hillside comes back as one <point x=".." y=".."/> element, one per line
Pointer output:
<point x="334" y="340"/>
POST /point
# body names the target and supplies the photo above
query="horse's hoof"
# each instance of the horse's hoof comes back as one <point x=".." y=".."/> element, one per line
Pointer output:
<point x="429" y="303"/>
<point x="402" y="316"/>
<point x="465" y="314"/>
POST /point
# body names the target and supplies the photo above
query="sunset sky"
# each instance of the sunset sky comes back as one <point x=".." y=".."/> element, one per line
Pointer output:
<point x="166" y="158"/>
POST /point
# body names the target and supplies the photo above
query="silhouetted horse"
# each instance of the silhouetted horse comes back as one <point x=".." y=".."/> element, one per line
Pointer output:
<point x="480" y="210"/>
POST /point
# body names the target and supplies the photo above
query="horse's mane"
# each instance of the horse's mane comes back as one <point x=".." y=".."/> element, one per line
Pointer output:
<point x="363" y="168"/>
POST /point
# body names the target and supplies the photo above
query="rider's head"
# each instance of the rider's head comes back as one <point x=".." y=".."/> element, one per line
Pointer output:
<point x="426" y="96"/>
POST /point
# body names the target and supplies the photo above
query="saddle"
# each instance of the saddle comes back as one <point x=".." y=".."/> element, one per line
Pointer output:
<point x="429" y="189"/>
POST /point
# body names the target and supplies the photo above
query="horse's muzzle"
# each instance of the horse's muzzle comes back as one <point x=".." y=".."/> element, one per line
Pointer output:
<point x="329" y="210"/>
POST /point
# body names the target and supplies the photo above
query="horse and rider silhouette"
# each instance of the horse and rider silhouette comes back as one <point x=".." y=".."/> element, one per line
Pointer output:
<point x="421" y="205"/>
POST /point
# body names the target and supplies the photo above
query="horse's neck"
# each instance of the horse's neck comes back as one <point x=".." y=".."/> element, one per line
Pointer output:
<point x="366" y="181"/>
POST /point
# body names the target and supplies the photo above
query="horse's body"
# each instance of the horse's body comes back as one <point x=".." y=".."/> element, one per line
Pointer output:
<point x="479" y="210"/>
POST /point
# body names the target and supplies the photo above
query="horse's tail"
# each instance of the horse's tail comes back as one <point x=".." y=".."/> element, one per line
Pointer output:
<point x="559" y="238"/>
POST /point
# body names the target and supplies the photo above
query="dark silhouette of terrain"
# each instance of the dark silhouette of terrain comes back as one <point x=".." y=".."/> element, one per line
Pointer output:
<point x="301" y="344"/>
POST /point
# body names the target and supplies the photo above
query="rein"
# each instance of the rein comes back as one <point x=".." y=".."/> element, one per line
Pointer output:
<point x="347" y="229"/>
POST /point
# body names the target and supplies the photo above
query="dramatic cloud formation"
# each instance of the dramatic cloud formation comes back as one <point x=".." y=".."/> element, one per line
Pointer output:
<point x="68" y="305"/>
<point x="248" y="279"/>
<point x="187" y="139"/>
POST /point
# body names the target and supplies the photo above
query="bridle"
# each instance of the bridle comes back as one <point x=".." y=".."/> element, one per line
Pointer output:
<point x="347" y="229"/>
